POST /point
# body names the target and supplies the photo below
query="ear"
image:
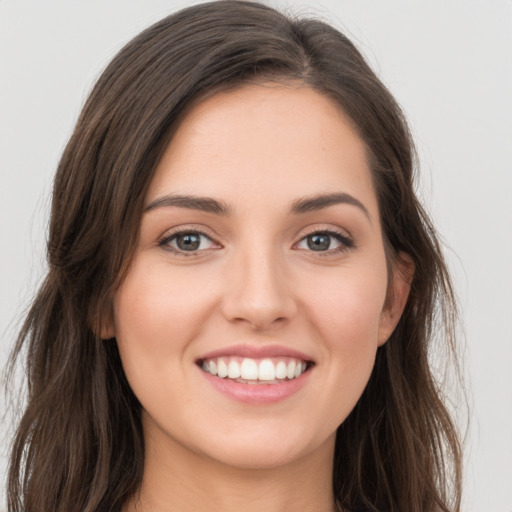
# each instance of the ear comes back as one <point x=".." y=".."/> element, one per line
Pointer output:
<point x="402" y="272"/>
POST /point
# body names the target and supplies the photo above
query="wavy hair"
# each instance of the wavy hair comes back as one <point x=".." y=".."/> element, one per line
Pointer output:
<point x="79" y="444"/>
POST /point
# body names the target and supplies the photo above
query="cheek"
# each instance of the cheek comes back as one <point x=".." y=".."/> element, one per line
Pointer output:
<point x="155" y="305"/>
<point x="152" y="323"/>
<point x="347" y="302"/>
<point x="345" y="311"/>
<point x="158" y="313"/>
<point x="346" y="321"/>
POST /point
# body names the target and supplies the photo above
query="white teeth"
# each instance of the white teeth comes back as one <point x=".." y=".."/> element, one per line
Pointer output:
<point x="222" y="368"/>
<point x="249" y="369"/>
<point x="267" y="370"/>
<point x="233" y="370"/>
<point x="290" y="370"/>
<point x="281" y="370"/>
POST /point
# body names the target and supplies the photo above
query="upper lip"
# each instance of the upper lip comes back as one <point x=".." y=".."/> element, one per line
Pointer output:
<point x="256" y="352"/>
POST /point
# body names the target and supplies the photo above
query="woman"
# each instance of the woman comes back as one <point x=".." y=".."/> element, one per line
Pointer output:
<point x="242" y="286"/>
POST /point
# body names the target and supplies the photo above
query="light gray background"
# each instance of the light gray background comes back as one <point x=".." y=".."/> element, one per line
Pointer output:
<point x="448" y="62"/>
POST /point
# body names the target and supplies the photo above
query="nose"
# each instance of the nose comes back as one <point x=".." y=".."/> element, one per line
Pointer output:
<point x="259" y="294"/>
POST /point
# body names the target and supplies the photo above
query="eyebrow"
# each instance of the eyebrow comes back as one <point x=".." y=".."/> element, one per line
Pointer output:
<point x="315" y="203"/>
<point x="205" y="204"/>
<point x="300" y="206"/>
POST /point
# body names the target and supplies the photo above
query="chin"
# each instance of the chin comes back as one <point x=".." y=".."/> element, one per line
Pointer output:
<point x="264" y="450"/>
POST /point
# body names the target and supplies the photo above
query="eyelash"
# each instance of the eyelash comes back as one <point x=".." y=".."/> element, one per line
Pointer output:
<point x="165" y="241"/>
<point x="345" y="241"/>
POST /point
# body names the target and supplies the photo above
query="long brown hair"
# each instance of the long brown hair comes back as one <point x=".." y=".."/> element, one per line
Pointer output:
<point x="79" y="445"/>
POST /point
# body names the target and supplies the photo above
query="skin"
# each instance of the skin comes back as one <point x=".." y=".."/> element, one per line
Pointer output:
<point x="254" y="281"/>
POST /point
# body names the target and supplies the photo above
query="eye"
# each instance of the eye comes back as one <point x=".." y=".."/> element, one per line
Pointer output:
<point x="325" y="241"/>
<point x="184" y="242"/>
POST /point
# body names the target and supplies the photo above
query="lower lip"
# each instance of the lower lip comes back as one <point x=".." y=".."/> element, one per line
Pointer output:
<point x="257" y="393"/>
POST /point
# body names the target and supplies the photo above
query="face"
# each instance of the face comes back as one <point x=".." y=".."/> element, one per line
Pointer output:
<point x="250" y="317"/>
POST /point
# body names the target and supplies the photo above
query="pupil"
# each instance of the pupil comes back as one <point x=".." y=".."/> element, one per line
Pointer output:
<point x="188" y="242"/>
<point x="319" y="242"/>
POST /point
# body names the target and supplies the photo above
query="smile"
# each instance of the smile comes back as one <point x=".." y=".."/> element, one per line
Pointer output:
<point x="255" y="371"/>
<point x="256" y="374"/>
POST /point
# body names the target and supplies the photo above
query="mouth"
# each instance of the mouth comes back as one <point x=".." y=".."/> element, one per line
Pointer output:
<point x="256" y="375"/>
<point x="255" y="371"/>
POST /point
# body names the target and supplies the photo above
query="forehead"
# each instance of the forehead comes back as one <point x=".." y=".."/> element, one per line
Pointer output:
<point x="246" y="142"/>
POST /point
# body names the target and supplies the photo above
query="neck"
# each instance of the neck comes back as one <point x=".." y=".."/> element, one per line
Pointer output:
<point x="176" y="479"/>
